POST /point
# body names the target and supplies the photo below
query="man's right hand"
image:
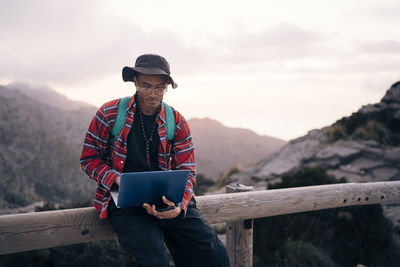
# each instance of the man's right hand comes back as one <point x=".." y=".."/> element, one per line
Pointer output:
<point x="117" y="180"/>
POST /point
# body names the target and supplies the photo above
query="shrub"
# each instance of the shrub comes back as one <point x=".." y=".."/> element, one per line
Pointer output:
<point x="333" y="237"/>
<point x="335" y="132"/>
<point x="203" y="184"/>
<point x="224" y="177"/>
<point x="297" y="253"/>
<point x="372" y="130"/>
<point x="381" y="126"/>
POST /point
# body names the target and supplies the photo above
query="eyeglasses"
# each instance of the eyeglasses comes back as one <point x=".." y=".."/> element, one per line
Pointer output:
<point x="157" y="91"/>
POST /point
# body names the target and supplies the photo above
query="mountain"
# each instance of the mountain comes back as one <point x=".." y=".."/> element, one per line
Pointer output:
<point x="40" y="148"/>
<point x="219" y="148"/>
<point x="46" y="95"/>
<point x="364" y="147"/>
<point x="41" y="140"/>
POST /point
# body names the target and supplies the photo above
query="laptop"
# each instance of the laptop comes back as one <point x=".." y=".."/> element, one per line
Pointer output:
<point x="137" y="188"/>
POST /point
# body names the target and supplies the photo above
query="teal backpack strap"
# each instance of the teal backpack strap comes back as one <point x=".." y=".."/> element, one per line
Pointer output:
<point x="120" y="118"/>
<point x="170" y="123"/>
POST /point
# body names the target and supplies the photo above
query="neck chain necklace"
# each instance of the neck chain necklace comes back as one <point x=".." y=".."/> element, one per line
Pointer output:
<point x="149" y="139"/>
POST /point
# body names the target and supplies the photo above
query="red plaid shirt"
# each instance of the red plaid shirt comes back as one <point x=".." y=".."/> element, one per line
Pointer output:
<point x="104" y="162"/>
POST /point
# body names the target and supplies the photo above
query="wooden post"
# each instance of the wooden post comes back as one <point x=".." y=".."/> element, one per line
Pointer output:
<point x="239" y="235"/>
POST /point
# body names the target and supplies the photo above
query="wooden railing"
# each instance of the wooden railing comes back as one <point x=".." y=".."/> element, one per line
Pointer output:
<point x="30" y="231"/>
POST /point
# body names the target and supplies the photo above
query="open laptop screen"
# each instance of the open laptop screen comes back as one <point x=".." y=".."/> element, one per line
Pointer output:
<point x="137" y="188"/>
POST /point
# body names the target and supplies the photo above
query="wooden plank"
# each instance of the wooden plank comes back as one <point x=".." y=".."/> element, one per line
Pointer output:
<point x="22" y="232"/>
<point x="239" y="235"/>
<point x="239" y="206"/>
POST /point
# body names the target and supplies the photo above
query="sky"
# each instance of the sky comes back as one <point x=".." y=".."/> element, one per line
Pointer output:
<point x="279" y="68"/>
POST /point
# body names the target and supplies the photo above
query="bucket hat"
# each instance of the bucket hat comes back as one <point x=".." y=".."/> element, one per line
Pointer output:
<point x="149" y="64"/>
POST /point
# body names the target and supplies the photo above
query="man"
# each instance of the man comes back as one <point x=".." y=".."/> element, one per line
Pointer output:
<point x="142" y="146"/>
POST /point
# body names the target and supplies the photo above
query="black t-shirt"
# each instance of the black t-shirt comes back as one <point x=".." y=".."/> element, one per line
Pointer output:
<point x="136" y="157"/>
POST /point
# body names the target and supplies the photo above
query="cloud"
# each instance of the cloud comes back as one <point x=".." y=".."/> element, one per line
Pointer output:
<point x="381" y="11"/>
<point x="391" y="47"/>
<point x="62" y="43"/>
<point x="65" y="43"/>
<point x="68" y="44"/>
<point x="282" y="41"/>
<point x="245" y="49"/>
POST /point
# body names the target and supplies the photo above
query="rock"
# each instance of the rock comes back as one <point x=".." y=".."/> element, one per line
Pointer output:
<point x="384" y="173"/>
<point x="392" y="155"/>
<point x="291" y="156"/>
<point x="328" y="163"/>
<point x="393" y="94"/>
<point x="361" y="165"/>
<point x="337" y="150"/>
<point x="371" y="108"/>
<point x="352" y="177"/>
<point x="392" y="211"/>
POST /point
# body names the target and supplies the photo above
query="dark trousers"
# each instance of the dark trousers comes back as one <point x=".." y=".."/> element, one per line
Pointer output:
<point x="190" y="239"/>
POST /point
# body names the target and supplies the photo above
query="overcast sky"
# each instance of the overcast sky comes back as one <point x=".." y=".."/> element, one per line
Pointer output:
<point x="280" y="68"/>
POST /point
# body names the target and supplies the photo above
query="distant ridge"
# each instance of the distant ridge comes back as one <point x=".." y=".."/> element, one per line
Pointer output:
<point x="219" y="147"/>
<point x="46" y="95"/>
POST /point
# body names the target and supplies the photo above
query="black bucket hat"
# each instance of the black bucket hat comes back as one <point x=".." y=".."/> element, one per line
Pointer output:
<point x="149" y="64"/>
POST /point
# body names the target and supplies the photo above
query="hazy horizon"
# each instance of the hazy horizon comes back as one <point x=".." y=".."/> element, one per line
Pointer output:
<point x="24" y="87"/>
<point x="277" y="68"/>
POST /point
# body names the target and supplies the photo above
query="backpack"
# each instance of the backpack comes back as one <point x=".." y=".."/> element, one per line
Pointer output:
<point x="170" y="123"/>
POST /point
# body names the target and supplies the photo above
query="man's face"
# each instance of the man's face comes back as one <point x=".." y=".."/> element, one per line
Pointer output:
<point x="150" y="91"/>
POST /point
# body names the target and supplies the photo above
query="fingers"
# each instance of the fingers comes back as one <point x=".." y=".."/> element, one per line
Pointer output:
<point x="148" y="208"/>
<point x="151" y="210"/>
<point x="166" y="201"/>
<point x="154" y="211"/>
<point x="170" y="214"/>
<point x="118" y="180"/>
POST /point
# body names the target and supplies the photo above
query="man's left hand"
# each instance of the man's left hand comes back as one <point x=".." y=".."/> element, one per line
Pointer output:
<point x="169" y="214"/>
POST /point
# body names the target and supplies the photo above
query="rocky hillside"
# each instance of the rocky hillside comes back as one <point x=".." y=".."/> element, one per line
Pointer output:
<point x="40" y="147"/>
<point x="363" y="147"/>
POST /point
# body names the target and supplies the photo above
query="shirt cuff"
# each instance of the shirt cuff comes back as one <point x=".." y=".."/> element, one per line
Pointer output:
<point x="109" y="178"/>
